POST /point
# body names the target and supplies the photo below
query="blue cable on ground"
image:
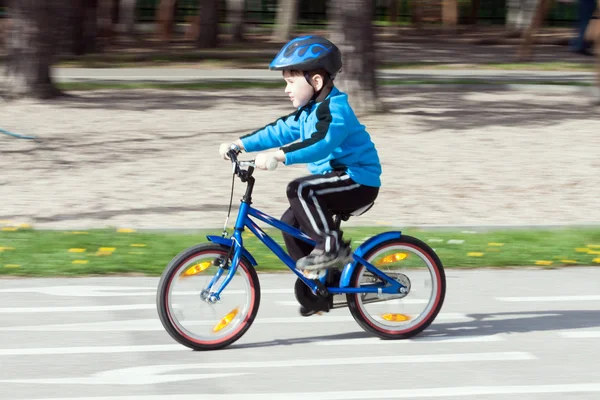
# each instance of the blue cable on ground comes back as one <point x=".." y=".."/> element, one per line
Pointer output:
<point x="16" y="135"/>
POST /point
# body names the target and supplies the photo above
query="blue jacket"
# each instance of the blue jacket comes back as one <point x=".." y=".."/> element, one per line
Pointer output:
<point x="331" y="138"/>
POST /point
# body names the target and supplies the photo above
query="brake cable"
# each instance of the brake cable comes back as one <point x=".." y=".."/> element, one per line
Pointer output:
<point x="224" y="233"/>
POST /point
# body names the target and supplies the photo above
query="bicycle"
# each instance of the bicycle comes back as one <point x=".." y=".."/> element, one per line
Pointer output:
<point x="210" y="325"/>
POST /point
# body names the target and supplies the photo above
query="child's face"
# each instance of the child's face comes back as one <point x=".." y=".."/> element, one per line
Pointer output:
<point x="298" y="89"/>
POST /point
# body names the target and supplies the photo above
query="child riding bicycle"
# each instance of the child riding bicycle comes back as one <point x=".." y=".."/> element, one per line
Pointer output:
<point x="342" y="159"/>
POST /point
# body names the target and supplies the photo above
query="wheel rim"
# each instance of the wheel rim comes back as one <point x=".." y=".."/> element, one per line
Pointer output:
<point x="401" y="314"/>
<point x="197" y="320"/>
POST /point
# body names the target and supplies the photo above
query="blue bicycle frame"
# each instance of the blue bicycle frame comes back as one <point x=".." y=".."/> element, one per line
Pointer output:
<point x="244" y="221"/>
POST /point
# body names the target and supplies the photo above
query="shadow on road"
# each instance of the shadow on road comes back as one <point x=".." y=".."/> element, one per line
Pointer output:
<point x="518" y="322"/>
<point x="482" y="324"/>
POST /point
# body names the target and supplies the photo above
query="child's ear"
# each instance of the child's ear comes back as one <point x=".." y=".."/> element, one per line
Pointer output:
<point x="319" y="81"/>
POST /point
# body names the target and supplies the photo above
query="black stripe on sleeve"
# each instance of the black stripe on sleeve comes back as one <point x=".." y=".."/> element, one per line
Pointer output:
<point x="323" y="122"/>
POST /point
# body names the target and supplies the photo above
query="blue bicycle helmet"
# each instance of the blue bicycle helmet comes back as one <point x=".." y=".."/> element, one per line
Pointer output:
<point x="308" y="53"/>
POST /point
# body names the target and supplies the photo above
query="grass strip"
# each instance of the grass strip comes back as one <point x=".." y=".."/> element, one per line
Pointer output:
<point x="46" y="253"/>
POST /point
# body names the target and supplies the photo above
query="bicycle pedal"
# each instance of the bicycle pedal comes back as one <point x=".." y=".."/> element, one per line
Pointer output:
<point x="318" y="274"/>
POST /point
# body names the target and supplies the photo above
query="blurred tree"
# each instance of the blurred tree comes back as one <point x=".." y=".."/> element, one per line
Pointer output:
<point x="417" y="13"/>
<point x="194" y="27"/>
<point x="531" y="27"/>
<point x="287" y="14"/>
<point x="475" y="6"/>
<point x="521" y="13"/>
<point x="541" y="12"/>
<point x="31" y="44"/>
<point x="127" y="15"/>
<point x="352" y="32"/>
<point x="84" y="26"/>
<point x="105" y="26"/>
<point x="208" y="36"/>
<point x="450" y="14"/>
<point x="165" y="18"/>
<point x="114" y="12"/>
<point x="393" y="10"/>
<point x="236" y="10"/>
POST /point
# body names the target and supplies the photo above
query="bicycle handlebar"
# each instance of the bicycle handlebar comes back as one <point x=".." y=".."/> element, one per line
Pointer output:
<point x="232" y="153"/>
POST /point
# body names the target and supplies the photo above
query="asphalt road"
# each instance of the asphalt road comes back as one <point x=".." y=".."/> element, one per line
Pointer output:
<point x="519" y="334"/>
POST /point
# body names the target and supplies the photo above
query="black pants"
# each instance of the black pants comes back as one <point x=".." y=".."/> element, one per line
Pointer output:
<point x="313" y="201"/>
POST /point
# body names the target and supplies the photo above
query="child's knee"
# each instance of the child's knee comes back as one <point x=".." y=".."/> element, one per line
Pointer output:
<point x="292" y="189"/>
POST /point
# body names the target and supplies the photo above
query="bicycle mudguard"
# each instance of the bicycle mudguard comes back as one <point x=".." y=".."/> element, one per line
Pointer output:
<point x="229" y="243"/>
<point x="364" y="249"/>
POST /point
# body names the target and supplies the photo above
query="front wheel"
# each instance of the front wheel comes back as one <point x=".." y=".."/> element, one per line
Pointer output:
<point x="399" y="316"/>
<point x="184" y="307"/>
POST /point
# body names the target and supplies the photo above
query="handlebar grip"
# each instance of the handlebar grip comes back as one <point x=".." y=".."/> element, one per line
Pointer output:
<point x="272" y="164"/>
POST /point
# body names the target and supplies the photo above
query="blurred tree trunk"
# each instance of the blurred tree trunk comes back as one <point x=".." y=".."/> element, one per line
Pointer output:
<point x="127" y="15"/>
<point x="597" y="50"/>
<point x="541" y="12"/>
<point x="193" y="30"/>
<point x="236" y="10"/>
<point x="165" y="18"/>
<point x="393" y="10"/>
<point x="520" y="14"/>
<point x="416" y="13"/>
<point x="352" y="32"/>
<point x="31" y="44"/>
<point x="84" y="26"/>
<point x="475" y="6"/>
<point x="287" y="15"/>
<point x="450" y="14"/>
<point x="105" y="28"/>
<point x="115" y="11"/>
<point x="208" y="36"/>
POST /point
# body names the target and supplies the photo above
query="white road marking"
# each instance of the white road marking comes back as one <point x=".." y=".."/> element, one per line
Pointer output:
<point x="85" y="291"/>
<point x="422" y="339"/>
<point x="115" y="378"/>
<point x="177" y="347"/>
<point x="117" y="291"/>
<point x="140" y="325"/>
<point x="119" y="307"/>
<point x="581" y="334"/>
<point x="161" y="373"/>
<point x="92" y="350"/>
<point x="440" y="392"/>
<point x="550" y="298"/>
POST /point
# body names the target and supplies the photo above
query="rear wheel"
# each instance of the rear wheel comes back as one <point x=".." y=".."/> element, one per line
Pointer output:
<point x="399" y="316"/>
<point x="183" y="305"/>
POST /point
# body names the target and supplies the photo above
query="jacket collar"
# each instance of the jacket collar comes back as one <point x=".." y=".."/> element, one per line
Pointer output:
<point x="309" y="106"/>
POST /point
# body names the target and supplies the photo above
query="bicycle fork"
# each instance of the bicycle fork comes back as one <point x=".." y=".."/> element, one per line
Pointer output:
<point x="212" y="296"/>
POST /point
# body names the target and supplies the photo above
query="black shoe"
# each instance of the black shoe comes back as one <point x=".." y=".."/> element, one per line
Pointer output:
<point x="306" y="312"/>
<point x="318" y="259"/>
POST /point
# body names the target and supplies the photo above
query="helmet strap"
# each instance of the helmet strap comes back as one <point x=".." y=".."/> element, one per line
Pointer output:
<point x="316" y="93"/>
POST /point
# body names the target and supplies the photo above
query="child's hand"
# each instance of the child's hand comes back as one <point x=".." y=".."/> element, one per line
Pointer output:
<point x="268" y="160"/>
<point x="225" y="147"/>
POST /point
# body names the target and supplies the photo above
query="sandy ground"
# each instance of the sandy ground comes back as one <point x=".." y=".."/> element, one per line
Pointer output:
<point x="450" y="156"/>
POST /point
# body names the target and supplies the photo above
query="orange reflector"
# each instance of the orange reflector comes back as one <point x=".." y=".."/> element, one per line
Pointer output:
<point x="392" y="258"/>
<point x="226" y="320"/>
<point x="196" y="269"/>
<point x="395" y="317"/>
